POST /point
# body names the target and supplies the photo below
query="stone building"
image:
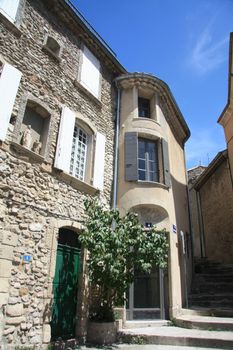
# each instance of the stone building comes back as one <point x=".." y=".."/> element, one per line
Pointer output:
<point x="226" y="118"/>
<point x="211" y="193"/>
<point x="58" y="98"/>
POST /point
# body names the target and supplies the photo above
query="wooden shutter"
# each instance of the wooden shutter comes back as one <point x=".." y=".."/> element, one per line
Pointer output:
<point x="90" y="72"/>
<point x="9" y="9"/>
<point x="131" y="156"/>
<point x="65" y="138"/>
<point x="9" y="83"/>
<point x="98" y="177"/>
<point x="166" y="167"/>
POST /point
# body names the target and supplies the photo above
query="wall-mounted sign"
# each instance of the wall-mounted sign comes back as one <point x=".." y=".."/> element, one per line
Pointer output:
<point x="27" y="258"/>
<point x="174" y="230"/>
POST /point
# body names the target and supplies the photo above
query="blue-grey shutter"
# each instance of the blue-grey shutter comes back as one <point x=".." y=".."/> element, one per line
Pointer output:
<point x="166" y="167"/>
<point x="131" y="156"/>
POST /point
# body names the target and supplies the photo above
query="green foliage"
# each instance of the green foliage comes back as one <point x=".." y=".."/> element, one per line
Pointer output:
<point x="117" y="246"/>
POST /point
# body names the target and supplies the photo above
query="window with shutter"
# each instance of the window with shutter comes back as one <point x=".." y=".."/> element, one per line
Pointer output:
<point x="9" y="9"/>
<point x="9" y="83"/>
<point x="79" y="153"/>
<point x="90" y="72"/>
<point x="142" y="159"/>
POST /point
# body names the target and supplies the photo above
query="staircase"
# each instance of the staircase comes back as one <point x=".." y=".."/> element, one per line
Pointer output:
<point x="209" y="321"/>
<point x="212" y="288"/>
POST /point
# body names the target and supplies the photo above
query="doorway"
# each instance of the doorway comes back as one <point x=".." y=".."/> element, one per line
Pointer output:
<point x="65" y="285"/>
<point x="145" y="300"/>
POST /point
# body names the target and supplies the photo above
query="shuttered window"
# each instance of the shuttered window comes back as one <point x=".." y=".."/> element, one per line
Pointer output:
<point x="90" y="72"/>
<point x="77" y="153"/>
<point x="9" y="9"/>
<point x="142" y="159"/>
<point x="9" y="83"/>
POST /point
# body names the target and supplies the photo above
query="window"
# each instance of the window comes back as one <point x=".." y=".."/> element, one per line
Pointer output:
<point x="9" y="84"/>
<point x="143" y="107"/>
<point x="52" y="47"/>
<point x="80" y="150"/>
<point x="147" y="160"/>
<point x="9" y="9"/>
<point x="78" y="153"/>
<point x="90" y="72"/>
<point x="35" y="128"/>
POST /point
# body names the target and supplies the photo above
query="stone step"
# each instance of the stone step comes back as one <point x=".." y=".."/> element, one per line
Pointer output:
<point x="211" y="297"/>
<point x="202" y="311"/>
<point x="208" y="277"/>
<point x="212" y="304"/>
<point x="146" y="323"/>
<point x="205" y="322"/>
<point x="212" y="287"/>
<point x="177" y="336"/>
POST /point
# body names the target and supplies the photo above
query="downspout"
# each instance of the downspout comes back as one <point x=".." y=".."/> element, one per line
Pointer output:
<point x="115" y="176"/>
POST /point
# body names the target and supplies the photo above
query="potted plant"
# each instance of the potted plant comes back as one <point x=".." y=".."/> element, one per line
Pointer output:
<point x="116" y="245"/>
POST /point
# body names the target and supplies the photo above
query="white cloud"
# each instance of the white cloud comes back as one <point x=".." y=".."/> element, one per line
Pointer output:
<point x="206" y="54"/>
<point x="203" y="146"/>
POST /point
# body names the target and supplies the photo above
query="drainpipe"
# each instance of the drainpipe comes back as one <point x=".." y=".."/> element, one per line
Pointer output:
<point x="115" y="176"/>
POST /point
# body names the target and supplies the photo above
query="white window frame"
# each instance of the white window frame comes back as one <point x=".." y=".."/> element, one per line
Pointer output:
<point x="77" y="148"/>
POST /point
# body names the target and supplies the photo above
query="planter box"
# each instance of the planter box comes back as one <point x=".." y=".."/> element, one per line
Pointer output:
<point x="102" y="332"/>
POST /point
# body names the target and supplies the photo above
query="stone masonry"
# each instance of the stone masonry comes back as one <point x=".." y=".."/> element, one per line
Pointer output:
<point x="35" y="198"/>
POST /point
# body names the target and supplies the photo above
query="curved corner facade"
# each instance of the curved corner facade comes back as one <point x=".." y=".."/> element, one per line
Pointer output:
<point x="152" y="183"/>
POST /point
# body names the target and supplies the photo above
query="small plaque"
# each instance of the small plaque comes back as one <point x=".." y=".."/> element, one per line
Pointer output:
<point x="174" y="228"/>
<point x="27" y="258"/>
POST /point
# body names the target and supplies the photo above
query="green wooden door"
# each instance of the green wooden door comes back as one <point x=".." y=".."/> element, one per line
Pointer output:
<point x="65" y="286"/>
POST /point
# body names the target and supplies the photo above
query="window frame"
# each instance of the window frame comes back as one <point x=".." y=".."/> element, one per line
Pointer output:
<point x="26" y="102"/>
<point x="144" y="106"/>
<point x="148" y="161"/>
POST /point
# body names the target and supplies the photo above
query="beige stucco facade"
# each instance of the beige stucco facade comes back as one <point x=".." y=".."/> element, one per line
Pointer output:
<point x="154" y="201"/>
<point x="226" y="118"/>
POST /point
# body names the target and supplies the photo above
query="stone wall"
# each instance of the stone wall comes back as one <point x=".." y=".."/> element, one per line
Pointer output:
<point x="216" y="198"/>
<point x="35" y="198"/>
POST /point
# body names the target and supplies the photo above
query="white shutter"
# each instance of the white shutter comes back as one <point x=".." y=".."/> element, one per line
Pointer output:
<point x="98" y="178"/>
<point x="9" y="83"/>
<point x="9" y="9"/>
<point x="65" y="137"/>
<point x="90" y="72"/>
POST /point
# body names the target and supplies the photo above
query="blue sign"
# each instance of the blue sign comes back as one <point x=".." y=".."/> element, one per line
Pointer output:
<point x="174" y="228"/>
<point x="27" y="258"/>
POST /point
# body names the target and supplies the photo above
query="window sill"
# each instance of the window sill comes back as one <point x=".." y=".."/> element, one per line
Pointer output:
<point x="88" y="93"/>
<point x="77" y="184"/>
<point x="26" y="153"/>
<point x="11" y="26"/>
<point x="153" y="184"/>
<point x="51" y="53"/>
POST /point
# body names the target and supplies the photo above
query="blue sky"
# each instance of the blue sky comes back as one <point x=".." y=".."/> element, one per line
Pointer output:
<point x="183" y="42"/>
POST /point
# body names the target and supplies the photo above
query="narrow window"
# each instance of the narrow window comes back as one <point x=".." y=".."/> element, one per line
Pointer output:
<point x="147" y="160"/>
<point x="143" y="108"/>
<point x="78" y="153"/>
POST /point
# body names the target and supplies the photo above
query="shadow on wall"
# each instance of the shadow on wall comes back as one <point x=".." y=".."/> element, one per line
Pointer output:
<point x="180" y="193"/>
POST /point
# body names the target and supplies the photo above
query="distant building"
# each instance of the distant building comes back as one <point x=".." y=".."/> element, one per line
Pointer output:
<point x="59" y="120"/>
<point x="211" y="193"/>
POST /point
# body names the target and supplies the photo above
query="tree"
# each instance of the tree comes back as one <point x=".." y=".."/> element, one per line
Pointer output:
<point x="117" y="246"/>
